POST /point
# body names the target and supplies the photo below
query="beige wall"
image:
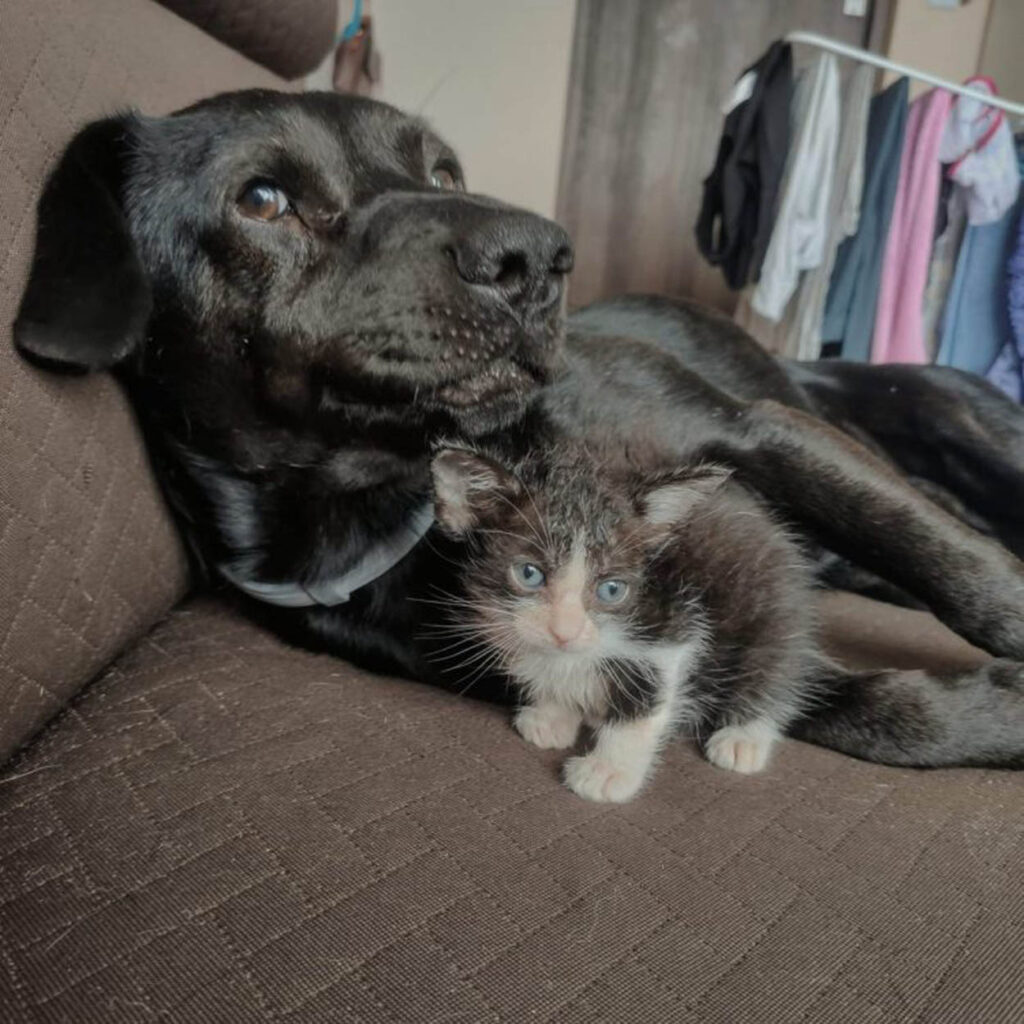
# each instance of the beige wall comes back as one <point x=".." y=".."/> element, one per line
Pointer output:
<point x="1002" y="55"/>
<point x="944" y="41"/>
<point x="491" y="76"/>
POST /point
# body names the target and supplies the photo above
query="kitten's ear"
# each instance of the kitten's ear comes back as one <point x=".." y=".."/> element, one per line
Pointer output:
<point x="467" y="486"/>
<point x="671" y="502"/>
<point x="87" y="300"/>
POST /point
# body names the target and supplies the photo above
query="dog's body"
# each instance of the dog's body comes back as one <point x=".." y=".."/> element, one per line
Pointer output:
<point x="301" y="301"/>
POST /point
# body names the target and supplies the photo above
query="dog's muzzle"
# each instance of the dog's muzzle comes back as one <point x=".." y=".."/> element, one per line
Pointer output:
<point x="513" y="258"/>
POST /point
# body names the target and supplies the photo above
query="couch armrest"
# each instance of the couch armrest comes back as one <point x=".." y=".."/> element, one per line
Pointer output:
<point x="89" y="558"/>
<point x="290" y="37"/>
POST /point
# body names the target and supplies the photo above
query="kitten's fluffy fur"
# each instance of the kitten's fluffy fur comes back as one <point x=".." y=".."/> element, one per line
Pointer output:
<point x="715" y="633"/>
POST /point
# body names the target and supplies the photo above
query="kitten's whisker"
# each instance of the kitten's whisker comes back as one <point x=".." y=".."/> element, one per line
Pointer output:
<point x="456" y="649"/>
<point x="446" y="601"/>
<point x="478" y="652"/>
<point x="479" y="674"/>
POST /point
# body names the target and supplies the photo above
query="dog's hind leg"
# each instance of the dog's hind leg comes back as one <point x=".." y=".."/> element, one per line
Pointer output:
<point x="921" y="719"/>
<point x="943" y="427"/>
<point x="861" y="507"/>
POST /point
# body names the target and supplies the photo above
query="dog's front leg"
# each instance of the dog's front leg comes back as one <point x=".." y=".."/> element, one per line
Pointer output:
<point x="861" y="507"/>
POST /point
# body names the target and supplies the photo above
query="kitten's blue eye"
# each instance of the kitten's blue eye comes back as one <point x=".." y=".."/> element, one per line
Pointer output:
<point x="612" y="591"/>
<point x="527" y="575"/>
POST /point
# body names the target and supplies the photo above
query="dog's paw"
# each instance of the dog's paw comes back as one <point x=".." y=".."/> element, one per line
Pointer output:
<point x="551" y="728"/>
<point x="742" y="748"/>
<point x="594" y="778"/>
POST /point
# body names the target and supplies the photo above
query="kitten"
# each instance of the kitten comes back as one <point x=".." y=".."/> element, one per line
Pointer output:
<point x="634" y="608"/>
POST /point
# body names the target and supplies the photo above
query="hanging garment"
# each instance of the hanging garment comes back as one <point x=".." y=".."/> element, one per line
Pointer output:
<point x="978" y="145"/>
<point x="853" y="291"/>
<point x="740" y="193"/>
<point x="976" y="321"/>
<point x="1007" y="372"/>
<point x="798" y="237"/>
<point x="804" y="335"/>
<point x="898" y="336"/>
<point x="952" y="214"/>
<point x="798" y="334"/>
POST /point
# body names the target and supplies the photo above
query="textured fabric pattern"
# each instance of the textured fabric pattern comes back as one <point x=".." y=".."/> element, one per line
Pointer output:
<point x="864" y="634"/>
<point x="290" y="37"/>
<point x="88" y="556"/>
<point x="227" y="829"/>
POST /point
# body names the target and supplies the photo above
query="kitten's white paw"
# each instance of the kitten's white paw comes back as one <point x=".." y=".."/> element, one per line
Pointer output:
<point x="742" y="748"/>
<point x="551" y="728"/>
<point x="594" y="778"/>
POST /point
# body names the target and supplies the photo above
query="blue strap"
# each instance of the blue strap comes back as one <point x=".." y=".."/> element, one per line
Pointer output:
<point x="355" y="23"/>
<point x="379" y="559"/>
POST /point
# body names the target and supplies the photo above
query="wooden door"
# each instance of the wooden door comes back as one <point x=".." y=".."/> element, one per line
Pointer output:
<point x="647" y="84"/>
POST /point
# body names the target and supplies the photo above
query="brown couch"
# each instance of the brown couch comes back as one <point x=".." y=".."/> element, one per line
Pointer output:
<point x="199" y="823"/>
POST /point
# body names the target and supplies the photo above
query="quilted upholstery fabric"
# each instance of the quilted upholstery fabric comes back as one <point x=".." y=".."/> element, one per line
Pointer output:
<point x="866" y="634"/>
<point x="290" y="37"/>
<point x="226" y="829"/>
<point x="88" y="556"/>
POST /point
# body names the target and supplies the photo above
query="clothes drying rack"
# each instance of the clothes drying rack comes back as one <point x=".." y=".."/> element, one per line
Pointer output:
<point x="867" y="57"/>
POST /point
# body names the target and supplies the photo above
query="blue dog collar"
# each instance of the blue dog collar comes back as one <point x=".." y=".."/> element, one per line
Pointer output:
<point x="375" y="562"/>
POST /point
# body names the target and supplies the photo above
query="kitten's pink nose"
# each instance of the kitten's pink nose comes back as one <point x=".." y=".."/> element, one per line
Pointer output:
<point x="566" y="626"/>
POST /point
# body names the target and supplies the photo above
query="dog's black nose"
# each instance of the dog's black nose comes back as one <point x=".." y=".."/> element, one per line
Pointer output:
<point x="517" y="256"/>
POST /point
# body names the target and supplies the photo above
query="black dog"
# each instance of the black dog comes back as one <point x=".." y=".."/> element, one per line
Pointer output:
<point x="301" y="300"/>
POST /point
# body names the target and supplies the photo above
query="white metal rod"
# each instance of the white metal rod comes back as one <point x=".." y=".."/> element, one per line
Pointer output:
<point x="867" y="57"/>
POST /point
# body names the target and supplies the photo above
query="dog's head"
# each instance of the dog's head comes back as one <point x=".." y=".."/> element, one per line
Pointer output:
<point x="270" y="266"/>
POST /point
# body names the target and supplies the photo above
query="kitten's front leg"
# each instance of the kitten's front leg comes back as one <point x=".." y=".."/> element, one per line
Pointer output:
<point x="622" y="758"/>
<point x="742" y="748"/>
<point x="548" y="725"/>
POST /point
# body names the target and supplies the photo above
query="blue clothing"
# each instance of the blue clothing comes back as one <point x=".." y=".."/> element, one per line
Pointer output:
<point x="1007" y="372"/>
<point x="853" y="291"/>
<point x="976" y="320"/>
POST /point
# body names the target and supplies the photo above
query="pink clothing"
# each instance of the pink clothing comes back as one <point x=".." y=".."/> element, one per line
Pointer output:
<point x="899" y="330"/>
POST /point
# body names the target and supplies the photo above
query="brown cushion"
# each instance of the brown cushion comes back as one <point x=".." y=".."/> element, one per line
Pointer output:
<point x="866" y="634"/>
<point x="88" y="556"/>
<point x="227" y="829"/>
<point x="290" y="37"/>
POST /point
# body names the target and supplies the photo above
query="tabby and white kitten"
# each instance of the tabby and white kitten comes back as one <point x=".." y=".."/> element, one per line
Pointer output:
<point x="635" y="609"/>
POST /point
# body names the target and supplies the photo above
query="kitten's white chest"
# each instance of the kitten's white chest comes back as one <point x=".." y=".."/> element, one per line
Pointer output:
<point x="576" y="682"/>
<point x="569" y="681"/>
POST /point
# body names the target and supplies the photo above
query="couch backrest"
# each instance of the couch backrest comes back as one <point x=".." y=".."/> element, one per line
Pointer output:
<point x="89" y="558"/>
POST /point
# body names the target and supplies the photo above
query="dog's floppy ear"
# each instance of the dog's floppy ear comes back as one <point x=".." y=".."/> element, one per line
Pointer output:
<point x="87" y="301"/>
<point x="467" y="487"/>
<point x="671" y="500"/>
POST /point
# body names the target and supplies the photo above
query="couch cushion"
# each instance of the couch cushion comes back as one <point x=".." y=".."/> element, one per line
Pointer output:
<point x="88" y="556"/>
<point x="289" y="37"/>
<point x="866" y="634"/>
<point x="224" y="828"/>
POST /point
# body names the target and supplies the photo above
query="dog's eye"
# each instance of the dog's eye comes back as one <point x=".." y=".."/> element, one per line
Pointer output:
<point x="444" y="178"/>
<point x="263" y="200"/>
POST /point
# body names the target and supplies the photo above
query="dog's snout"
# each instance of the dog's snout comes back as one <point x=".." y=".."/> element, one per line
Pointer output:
<point x="517" y="256"/>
